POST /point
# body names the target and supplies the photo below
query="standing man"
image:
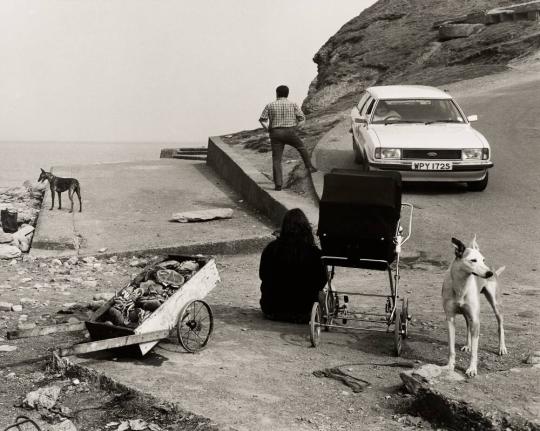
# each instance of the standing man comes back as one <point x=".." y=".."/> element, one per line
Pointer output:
<point x="283" y="117"/>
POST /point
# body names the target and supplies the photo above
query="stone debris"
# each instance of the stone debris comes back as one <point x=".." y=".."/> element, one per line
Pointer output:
<point x="26" y="325"/>
<point x="45" y="397"/>
<point x="202" y="215"/>
<point x="7" y="348"/>
<point x="17" y="308"/>
<point x="134" y="425"/>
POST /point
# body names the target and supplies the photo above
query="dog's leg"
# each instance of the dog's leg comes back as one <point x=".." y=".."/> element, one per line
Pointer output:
<point x="52" y="199"/>
<point x="467" y="347"/>
<point x="70" y="196"/>
<point x="490" y="293"/>
<point x="78" y="191"/>
<point x="450" y="320"/>
<point x="474" y="322"/>
<point x="59" y="201"/>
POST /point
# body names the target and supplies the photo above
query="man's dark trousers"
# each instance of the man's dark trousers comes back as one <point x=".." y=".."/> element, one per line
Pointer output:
<point x="279" y="137"/>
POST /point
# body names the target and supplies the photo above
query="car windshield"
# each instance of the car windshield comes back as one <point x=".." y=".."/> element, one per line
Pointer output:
<point x="426" y="111"/>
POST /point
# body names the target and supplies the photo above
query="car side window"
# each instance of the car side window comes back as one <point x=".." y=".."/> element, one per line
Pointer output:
<point x="362" y="101"/>
<point x="366" y="106"/>
<point x="370" y="107"/>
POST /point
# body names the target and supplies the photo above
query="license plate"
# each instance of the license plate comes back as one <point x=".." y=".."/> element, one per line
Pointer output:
<point x="432" y="166"/>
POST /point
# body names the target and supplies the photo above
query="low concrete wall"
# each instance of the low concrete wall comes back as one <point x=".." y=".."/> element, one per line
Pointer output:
<point x="245" y="179"/>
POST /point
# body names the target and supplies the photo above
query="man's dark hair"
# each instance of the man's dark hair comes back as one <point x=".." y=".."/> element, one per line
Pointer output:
<point x="282" y="91"/>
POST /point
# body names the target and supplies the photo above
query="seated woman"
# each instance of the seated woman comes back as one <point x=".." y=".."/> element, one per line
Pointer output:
<point x="291" y="271"/>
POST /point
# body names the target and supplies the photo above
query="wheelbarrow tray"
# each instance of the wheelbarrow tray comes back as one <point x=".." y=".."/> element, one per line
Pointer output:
<point x="166" y="316"/>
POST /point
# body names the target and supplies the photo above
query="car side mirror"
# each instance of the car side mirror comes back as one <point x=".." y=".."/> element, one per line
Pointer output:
<point x="472" y="118"/>
<point x="360" y="120"/>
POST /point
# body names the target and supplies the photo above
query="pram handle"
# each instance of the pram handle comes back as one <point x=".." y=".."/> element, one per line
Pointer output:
<point x="401" y="240"/>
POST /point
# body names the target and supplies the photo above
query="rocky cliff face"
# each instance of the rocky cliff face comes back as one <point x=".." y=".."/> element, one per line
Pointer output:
<point x="397" y="41"/>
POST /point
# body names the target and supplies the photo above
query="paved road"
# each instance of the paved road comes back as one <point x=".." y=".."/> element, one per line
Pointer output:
<point x="506" y="216"/>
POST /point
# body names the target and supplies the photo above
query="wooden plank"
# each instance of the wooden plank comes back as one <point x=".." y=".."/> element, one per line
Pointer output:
<point x="112" y="343"/>
<point x="45" y="330"/>
<point x="166" y="316"/>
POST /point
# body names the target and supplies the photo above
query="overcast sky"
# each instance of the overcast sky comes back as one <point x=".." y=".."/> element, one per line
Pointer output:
<point x="154" y="70"/>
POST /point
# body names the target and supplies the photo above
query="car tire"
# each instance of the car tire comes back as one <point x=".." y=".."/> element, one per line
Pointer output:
<point x="478" y="186"/>
<point x="359" y="158"/>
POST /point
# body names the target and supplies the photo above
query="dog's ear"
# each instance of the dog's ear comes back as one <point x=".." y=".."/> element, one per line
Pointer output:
<point x="460" y="247"/>
<point x="474" y="244"/>
<point x="42" y="170"/>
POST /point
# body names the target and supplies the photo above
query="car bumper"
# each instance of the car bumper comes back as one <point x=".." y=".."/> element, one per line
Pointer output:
<point x="459" y="173"/>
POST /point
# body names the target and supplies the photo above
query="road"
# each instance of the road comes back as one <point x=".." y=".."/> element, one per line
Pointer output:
<point x="506" y="215"/>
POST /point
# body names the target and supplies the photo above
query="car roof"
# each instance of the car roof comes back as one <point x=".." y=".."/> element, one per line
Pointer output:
<point x="407" y="92"/>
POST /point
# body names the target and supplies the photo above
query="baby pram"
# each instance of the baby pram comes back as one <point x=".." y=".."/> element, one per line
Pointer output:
<point x="359" y="227"/>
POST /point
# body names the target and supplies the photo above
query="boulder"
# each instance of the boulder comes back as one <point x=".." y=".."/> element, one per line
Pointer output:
<point x="9" y="251"/>
<point x="45" y="397"/>
<point x="5" y="238"/>
<point x="5" y="306"/>
<point x="427" y="375"/>
<point x="454" y="31"/>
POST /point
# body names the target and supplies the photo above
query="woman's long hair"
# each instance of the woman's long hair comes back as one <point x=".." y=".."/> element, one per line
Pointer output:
<point x="295" y="228"/>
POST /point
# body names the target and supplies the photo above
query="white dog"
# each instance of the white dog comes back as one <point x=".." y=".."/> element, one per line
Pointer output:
<point x="467" y="277"/>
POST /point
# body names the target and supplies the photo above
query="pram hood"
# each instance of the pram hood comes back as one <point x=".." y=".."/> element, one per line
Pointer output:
<point x="359" y="213"/>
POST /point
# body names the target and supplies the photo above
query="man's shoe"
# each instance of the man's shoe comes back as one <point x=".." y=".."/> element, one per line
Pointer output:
<point x="278" y="188"/>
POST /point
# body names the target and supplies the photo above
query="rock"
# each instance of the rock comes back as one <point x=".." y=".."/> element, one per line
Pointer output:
<point x="5" y="306"/>
<point x="73" y="260"/>
<point x="104" y="296"/>
<point x="42" y="398"/>
<point x="533" y="358"/>
<point x="9" y="251"/>
<point x="73" y="320"/>
<point x="7" y="348"/>
<point x="65" y="425"/>
<point x="202" y="215"/>
<point x="103" y="250"/>
<point x="137" y="425"/>
<point x="113" y="259"/>
<point x="453" y="31"/>
<point x="90" y="283"/>
<point x="56" y="262"/>
<point x="189" y="265"/>
<point x="26" y="280"/>
<point x="17" y="308"/>
<point x="426" y="375"/>
<point x="75" y="381"/>
<point x="5" y="238"/>
<point x="89" y="259"/>
<point x="26" y="325"/>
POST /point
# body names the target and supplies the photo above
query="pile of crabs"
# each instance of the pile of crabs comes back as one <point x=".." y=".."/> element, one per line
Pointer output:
<point x="151" y="288"/>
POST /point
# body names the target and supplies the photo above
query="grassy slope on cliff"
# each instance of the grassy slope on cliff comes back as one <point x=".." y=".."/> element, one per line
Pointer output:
<point x="395" y="41"/>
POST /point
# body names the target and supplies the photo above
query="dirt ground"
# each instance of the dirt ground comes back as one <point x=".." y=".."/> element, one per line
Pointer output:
<point x="44" y="288"/>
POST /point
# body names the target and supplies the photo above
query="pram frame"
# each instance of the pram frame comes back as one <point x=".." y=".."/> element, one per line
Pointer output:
<point x="323" y="317"/>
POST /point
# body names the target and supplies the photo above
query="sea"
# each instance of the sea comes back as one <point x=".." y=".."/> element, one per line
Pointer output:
<point x="21" y="161"/>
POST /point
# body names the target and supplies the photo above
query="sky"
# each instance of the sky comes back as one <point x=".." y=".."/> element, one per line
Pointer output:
<point x="154" y="70"/>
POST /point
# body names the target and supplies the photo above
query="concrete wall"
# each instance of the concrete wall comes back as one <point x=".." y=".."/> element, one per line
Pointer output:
<point x="245" y="179"/>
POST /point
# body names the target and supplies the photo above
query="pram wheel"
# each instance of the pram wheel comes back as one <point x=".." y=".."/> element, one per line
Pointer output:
<point x="397" y="335"/>
<point x="195" y="326"/>
<point x="405" y="318"/>
<point x="315" y="325"/>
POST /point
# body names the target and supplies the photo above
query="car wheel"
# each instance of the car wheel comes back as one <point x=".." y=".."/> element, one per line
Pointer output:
<point x="358" y="157"/>
<point x="478" y="186"/>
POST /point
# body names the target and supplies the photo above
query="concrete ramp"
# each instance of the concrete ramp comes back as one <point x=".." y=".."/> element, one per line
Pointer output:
<point x="127" y="207"/>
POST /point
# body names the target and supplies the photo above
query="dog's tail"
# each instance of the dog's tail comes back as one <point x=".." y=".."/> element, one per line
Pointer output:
<point x="499" y="271"/>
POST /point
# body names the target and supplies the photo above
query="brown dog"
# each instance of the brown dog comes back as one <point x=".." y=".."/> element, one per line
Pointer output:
<point x="60" y="185"/>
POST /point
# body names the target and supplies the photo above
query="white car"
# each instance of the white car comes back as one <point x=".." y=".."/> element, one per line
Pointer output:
<point x="421" y="132"/>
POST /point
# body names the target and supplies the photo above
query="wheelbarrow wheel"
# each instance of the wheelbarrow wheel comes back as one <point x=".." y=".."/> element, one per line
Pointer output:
<point x="315" y="325"/>
<point x="397" y="334"/>
<point x="195" y="326"/>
